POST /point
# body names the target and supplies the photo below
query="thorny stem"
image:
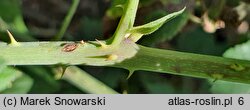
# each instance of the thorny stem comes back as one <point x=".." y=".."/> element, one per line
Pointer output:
<point x="149" y="59"/>
<point x="186" y="64"/>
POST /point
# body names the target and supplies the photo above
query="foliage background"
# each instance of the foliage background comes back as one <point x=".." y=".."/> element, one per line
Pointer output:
<point x="211" y="27"/>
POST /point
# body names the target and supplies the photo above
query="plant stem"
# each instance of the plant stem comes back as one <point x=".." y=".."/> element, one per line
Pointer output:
<point x="85" y="82"/>
<point x="188" y="64"/>
<point x="51" y="53"/>
<point x="149" y="59"/>
<point x="126" y="22"/>
<point x="67" y="20"/>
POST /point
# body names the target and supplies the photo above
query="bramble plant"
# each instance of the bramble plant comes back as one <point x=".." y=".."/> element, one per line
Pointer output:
<point x="122" y="51"/>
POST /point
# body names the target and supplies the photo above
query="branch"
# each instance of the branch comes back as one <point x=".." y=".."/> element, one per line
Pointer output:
<point x="68" y="53"/>
<point x="188" y="64"/>
<point x="84" y="81"/>
<point x="149" y="59"/>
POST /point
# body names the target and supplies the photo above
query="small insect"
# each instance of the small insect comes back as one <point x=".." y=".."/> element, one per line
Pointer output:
<point x="69" y="47"/>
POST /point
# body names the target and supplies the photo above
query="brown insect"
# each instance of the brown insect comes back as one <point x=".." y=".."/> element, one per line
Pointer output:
<point x="69" y="47"/>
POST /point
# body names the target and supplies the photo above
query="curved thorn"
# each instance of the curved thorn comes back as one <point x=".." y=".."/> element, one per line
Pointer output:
<point x="103" y="45"/>
<point x="131" y="72"/>
<point x="12" y="39"/>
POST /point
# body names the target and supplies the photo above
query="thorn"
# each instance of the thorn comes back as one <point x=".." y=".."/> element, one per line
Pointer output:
<point x="82" y="42"/>
<point x="127" y="35"/>
<point x="112" y="57"/>
<point x="131" y="72"/>
<point x="135" y="37"/>
<point x="10" y="84"/>
<point x="217" y="76"/>
<point x="124" y="92"/>
<point x="63" y="71"/>
<point x="120" y="6"/>
<point x="12" y="39"/>
<point x="103" y="45"/>
<point x="58" y="75"/>
<point x="214" y="80"/>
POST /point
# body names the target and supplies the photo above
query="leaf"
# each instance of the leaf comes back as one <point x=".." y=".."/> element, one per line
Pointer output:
<point x="152" y="26"/>
<point x="168" y="30"/>
<point x="20" y="86"/>
<point x="7" y="77"/>
<point x="241" y="51"/>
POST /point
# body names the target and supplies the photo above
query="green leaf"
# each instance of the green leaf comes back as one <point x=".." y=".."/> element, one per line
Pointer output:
<point x="241" y="51"/>
<point x="20" y="86"/>
<point x="168" y="30"/>
<point x="7" y="77"/>
<point x="152" y="26"/>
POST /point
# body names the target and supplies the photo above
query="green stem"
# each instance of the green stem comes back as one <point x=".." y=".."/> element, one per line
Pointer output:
<point x="70" y="53"/>
<point x="85" y="82"/>
<point x="67" y="20"/>
<point x="188" y="64"/>
<point x="126" y="22"/>
<point x="149" y="59"/>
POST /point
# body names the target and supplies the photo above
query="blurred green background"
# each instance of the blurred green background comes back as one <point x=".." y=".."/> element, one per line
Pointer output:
<point x="211" y="27"/>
